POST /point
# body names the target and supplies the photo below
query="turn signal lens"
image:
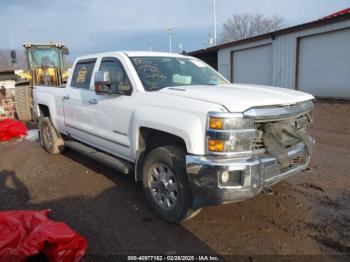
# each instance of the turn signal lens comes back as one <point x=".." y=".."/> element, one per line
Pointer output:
<point x="216" y="145"/>
<point x="216" y="123"/>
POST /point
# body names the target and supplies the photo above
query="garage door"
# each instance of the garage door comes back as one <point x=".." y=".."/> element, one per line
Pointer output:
<point x="324" y="64"/>
<point x="253" y="65"/>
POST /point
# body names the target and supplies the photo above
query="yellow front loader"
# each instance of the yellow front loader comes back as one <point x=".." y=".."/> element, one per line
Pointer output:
<point x="46" y="68"/>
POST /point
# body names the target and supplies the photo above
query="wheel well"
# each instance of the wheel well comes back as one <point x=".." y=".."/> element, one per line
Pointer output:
<point x="44" y="110"/>
<point x="151" y="138"/>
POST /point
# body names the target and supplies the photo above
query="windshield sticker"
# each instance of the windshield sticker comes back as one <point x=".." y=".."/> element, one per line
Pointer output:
<point x="198" y="63"/>
<point x="182" y="80"/>
<point x="82" y="73"/>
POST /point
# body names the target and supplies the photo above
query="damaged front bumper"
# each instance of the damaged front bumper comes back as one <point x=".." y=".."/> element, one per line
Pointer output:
<point x="216" y="180"/>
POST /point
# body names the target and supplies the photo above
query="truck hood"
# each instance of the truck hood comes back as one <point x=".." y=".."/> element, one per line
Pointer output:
<point x="240" y="97"/>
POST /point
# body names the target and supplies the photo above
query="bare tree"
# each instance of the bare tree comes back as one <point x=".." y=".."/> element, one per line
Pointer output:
<point x="247" y="25"/>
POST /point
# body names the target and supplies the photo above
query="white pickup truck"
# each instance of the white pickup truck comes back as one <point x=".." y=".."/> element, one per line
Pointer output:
<point x="177" y="125"/>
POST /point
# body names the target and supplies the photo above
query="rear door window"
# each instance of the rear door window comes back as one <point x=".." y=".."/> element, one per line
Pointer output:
<point x="82" y="74"/>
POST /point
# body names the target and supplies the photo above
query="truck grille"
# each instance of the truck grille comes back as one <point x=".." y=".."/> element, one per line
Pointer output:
<point x="299" y="122"/>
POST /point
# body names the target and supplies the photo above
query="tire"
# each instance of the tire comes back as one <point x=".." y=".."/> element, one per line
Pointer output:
<point x="51" y="140"/>
<point x="23" y="102"/>
<point x="170" y="200"/>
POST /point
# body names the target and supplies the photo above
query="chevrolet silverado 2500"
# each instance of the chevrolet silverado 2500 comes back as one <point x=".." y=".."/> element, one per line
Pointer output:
<point x="177" y="125"/>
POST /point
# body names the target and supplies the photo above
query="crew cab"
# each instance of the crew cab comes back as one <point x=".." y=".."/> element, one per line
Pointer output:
<point x="174" y="123"/>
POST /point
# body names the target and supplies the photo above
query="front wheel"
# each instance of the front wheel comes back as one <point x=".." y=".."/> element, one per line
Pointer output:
<point x="165" y="184"/>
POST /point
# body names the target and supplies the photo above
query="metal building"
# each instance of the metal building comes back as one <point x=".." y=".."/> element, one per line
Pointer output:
<point x="312" y="57"/>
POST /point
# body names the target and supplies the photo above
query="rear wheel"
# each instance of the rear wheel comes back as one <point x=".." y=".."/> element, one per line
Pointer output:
<point x="165" y="184"/>
<point x="51" y="140"/>
<point x="23" y="102"/>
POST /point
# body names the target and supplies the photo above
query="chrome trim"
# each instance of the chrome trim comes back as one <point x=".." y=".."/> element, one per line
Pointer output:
<point x="231" y="130"/>
<point x="277" y="113"/>
<point x="230" y="154"/>
<point x="259" y="172"/>
<point x="226" y="134"/>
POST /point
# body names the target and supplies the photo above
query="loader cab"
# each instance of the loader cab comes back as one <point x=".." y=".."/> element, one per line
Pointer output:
<point x="46" y="68"/>
<point x="46" y="64"/>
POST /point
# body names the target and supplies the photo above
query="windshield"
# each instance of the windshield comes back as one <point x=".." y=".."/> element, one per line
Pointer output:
<point x="159" y="72"/>
<point x="44" y="57"/>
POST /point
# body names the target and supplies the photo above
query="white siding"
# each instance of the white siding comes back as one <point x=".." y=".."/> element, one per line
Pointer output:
<point x="253" y="65"/>
<point x="324" y="64"/>
<point x="224" y="56"/>
<point x="284" y="53"/>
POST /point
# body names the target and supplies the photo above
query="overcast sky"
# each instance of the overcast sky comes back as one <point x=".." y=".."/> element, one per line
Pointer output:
<point x="87" y="26"/>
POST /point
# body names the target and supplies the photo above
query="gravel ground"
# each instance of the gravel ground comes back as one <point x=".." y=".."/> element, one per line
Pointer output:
<point x="309" y="214"/>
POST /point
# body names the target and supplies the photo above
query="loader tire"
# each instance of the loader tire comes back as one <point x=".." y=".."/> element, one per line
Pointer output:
<point x="23" y="102"/>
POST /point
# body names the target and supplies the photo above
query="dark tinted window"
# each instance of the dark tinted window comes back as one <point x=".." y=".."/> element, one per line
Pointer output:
<point x="119" y="78"/>
<point x="82" y="74"/>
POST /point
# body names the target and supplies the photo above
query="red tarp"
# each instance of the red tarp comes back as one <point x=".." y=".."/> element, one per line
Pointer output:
<point x="12" y="129"/>
<point x="27" y="233"/>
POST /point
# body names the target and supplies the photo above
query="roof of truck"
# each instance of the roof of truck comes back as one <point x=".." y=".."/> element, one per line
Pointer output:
<point x="134" y="54"/>
<point x="151" y="53"/>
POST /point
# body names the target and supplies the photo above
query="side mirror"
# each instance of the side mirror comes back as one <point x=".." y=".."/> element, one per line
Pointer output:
<point x="65" y="51"/>
<point x="103" y="83"/>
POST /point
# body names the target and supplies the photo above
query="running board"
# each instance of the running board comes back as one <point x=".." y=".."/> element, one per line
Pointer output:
<point x="121" y="165"/>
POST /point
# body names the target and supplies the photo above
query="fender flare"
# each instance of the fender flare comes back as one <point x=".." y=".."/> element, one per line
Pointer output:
<point x="49" y="101"/>
<point x="189" y="127"/>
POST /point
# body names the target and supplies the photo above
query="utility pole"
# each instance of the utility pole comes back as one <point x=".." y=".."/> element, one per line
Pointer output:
<point x="214" y="2"/>
<point x="170" y="35"/>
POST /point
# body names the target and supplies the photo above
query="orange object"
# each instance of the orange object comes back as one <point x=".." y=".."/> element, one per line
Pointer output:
<point x="216" y="123"/>
<point x="216" y="145"/>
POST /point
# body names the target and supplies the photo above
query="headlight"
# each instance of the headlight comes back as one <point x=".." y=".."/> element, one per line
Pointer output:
<point x="229" y="133"/>
<point x="225" y="123"/>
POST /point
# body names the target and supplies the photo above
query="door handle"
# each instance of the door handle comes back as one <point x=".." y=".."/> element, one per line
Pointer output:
<point x="66" y="97"/>
<point x="93" y="101"/>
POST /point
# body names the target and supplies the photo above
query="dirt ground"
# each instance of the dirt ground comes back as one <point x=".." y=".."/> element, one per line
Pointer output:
<point x="309" y="214"/>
